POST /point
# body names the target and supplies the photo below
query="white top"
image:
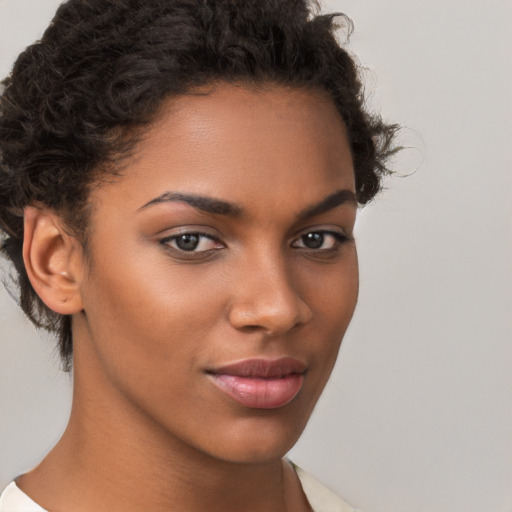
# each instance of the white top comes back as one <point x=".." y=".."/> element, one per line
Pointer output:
<point x="321" y="499"/>
<point x="13" y="499"/>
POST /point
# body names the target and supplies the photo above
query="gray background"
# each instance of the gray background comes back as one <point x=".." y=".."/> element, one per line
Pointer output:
<point x="418" y="414"/>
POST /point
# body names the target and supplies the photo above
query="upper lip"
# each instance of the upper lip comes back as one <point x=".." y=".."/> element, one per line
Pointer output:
<point x="261" y="368"/>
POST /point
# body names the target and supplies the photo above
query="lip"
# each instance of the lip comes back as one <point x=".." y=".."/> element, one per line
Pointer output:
<point x="260" y="383"/>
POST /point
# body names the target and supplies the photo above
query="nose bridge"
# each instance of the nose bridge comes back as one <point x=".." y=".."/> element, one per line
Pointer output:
<point x="267" y="296"/>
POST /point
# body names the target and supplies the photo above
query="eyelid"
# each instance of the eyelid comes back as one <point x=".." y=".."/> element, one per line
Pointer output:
<point x="192" y="232"/>
<point x="166" y="242"/>
<point x="335" y="235"/>
<point x="340" y="239"/>
<point x="326" y="230"/>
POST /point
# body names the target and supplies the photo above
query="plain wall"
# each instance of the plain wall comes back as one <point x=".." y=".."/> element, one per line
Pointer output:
<point x="418" y="414"/>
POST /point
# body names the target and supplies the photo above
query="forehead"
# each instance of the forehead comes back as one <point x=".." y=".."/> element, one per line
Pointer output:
<point x="239" y="143"/>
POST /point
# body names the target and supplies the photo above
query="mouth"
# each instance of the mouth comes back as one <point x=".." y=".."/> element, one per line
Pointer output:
<point x="260" y="383"/>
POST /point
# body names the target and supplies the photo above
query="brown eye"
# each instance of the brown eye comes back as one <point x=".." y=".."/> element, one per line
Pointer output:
<point x="188" y="242"/>
<point x="320" y="240"/>
<point x="313" y="240"/>
<point x="192" y="242"/>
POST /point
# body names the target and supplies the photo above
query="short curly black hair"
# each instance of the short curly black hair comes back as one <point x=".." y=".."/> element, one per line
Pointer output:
<point x="75" y="100"/>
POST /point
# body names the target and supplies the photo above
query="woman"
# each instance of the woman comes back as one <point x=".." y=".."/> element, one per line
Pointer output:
<point x="179" y="184"/>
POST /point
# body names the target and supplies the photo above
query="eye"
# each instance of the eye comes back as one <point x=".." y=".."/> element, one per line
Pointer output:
<point x="192" y="242"/>
<point x="320" y="240"/>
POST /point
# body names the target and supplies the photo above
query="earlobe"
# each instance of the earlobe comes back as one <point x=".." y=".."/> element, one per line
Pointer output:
<point x="53" y="260"/>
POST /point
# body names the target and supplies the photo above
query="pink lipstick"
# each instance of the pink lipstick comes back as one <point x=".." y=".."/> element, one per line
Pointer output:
<point x="261" y="383"/>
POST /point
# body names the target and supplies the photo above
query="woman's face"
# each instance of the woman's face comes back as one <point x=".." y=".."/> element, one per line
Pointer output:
<point x="222" y="272"/>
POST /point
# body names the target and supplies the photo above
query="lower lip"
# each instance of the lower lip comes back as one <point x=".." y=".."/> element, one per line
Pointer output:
<point x="260" y="393"/>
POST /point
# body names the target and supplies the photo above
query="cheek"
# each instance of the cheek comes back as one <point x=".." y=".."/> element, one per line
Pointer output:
<point x="334" y="294"/>
<point x="150" y="335"/>
<point x="151" y="315"/>
<point x="332" y="291"/>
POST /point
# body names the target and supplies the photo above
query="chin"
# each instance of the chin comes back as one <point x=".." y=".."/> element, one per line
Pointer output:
<point x="257" y="440"/>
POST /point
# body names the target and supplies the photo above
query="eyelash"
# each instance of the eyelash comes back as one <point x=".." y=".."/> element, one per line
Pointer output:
<point x="339" y="240"/>
<point x="167" y="241"/>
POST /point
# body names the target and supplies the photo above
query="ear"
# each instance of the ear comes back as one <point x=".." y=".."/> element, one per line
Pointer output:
<point x="53" y="260"/>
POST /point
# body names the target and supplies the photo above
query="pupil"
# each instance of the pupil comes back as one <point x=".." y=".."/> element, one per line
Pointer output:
<point x="313" y="240"/>
<point x="187" y="242"/>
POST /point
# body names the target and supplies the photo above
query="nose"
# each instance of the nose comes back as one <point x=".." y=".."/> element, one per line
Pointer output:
<point x="267" y="299"/>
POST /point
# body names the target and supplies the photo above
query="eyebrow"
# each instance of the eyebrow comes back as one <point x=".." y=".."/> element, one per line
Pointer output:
<point x="220" y="207"/>
<point x="204" y="203"/>
<point x="330" y="202"/>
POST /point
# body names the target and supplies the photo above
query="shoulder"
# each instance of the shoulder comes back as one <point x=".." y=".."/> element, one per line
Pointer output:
<point x="320" y="497"/>
<point x="13" y="499"/>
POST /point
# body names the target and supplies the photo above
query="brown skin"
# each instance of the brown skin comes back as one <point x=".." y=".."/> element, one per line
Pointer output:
<point x="148" y="429"/>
